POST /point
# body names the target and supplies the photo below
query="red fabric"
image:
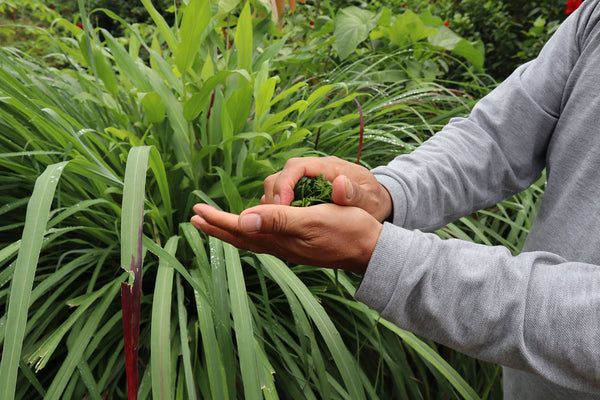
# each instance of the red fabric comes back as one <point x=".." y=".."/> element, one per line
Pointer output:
<point x="572" y="5"/>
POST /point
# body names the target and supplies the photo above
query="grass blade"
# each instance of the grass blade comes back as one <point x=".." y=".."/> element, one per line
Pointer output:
<point x="131" y="259"/>
<point x="82" y="340"/>
<point x="38" y="210"/>
<point x="162" y="25"/>
<point x="185" y="348"/>
<point x="426" y="352"/>
<point x="160" y="336"/>
<point x="242" y="323"/>
<point x="346" y="364"/>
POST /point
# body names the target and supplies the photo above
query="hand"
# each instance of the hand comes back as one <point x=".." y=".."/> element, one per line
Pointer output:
<point x="325" y="235"/>
<point x="353" y="185"/>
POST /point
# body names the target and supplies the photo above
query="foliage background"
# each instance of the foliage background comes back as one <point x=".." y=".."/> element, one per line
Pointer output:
<point x="212" y="112"/>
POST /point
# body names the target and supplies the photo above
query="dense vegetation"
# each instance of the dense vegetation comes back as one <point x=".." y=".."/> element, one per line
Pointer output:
<point x="116" y="118"/>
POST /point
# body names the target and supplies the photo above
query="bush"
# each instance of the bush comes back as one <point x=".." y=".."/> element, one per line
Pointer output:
<point x="504" y="26"/>
<point x="513" y="31"/>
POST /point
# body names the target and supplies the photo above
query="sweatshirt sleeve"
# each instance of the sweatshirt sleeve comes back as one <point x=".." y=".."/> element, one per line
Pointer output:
<point x="497" y="151"/>
<point x="535" y="312"/>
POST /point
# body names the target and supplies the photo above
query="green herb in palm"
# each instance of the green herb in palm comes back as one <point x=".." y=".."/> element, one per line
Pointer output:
<point x="312" y="191"/>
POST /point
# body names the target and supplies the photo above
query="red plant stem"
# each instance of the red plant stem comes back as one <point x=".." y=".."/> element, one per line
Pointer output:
<point x="131" y="295"/>
<point x="361" y="131"/>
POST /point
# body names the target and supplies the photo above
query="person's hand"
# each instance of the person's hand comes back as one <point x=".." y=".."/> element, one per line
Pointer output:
<point x="353" y="185"/>
<point x="325" y="235"/>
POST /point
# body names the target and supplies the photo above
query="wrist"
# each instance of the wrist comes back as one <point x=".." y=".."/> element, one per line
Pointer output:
<point x="367" y="246"/>
<point x="386" y="206"/>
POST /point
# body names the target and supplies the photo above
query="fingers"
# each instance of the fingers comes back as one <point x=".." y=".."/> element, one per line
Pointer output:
<point x="219" y="219"/>
<point x="236" y="240"/>
<point x="263" y="219"/>
<point x="268" y="188"/>
<point x="347" y="193"/>
<point x="296" y="168"/>
<point x="273" y="219"/>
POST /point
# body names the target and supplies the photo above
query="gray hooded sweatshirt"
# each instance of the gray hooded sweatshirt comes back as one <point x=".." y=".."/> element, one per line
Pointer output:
<point x="537" y="313"/>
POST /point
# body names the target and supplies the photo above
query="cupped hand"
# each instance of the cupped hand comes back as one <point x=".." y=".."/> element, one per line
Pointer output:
<point x="325" y="235"/>
<point x="353" y="185"/>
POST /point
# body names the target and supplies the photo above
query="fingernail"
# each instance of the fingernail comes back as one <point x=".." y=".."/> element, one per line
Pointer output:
<point x="250" y="223"/>
<point x="349" y="189"/>
<point x="276" y="199"/>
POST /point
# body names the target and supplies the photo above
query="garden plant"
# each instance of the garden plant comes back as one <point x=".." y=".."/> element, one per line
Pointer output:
<point x="111" y="131"/>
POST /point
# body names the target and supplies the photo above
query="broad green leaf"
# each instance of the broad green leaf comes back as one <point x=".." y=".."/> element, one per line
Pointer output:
<point x="352" y="26"/>
<point x="105" y="71"/>
<point x="472" y="52"/>
<point x="154" y="108"/>
<point x="38" y="210"/>
<point x="226" y="6"/>
<point x="243" y="39"/>
<point x="160" y="332"/>
<point x="448" y="40"/>
<point x="195" y="20"/>
<point x="264" y="95"/>
<point x="408" y="28"/>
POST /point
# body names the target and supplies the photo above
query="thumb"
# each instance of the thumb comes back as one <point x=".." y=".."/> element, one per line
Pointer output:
<point x="270" y="219"/>
<point x="346" y="192"/>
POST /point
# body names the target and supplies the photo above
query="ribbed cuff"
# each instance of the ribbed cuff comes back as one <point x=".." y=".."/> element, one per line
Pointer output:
<point x="396" y="190"/>
<point x="391" y="255"/>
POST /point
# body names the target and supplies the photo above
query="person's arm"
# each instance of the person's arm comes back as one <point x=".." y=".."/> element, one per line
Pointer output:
<point x="498" y="150"/>
<point x="535" y="312"/>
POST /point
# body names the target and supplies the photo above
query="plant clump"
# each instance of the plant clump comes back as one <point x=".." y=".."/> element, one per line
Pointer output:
<point x="312" y="191"/>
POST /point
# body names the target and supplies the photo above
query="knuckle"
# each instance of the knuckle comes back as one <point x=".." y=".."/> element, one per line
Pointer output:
<point x="269" y="180"/>
<point x="279" y="222"/>
<point x="291" y="162"/>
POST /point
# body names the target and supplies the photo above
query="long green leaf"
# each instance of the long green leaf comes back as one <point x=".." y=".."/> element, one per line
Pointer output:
<point x="82" y="340"/>
<point x="242" y="323"/>
<point x="346" y="364"/>
<point x="133" y="204"/>
<point x="162" y="25"/>
<point x="185" y="348"/>
<point x="214" y="363"/>
<point x="419" y="346"/>
<point x="243" y="39"/>
<point x="38" y="211"/>
<point x="195" y="20"/>
<point x="160" y="333"/>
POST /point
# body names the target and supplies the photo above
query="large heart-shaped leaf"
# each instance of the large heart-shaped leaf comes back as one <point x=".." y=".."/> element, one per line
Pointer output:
<point x="352" y="26"/>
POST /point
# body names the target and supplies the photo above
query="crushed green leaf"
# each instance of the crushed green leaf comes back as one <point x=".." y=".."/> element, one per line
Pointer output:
<point x="312" y="191"/>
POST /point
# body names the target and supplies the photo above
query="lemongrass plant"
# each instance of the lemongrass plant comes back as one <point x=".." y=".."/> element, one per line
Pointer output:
<point x="99" y="167"/>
